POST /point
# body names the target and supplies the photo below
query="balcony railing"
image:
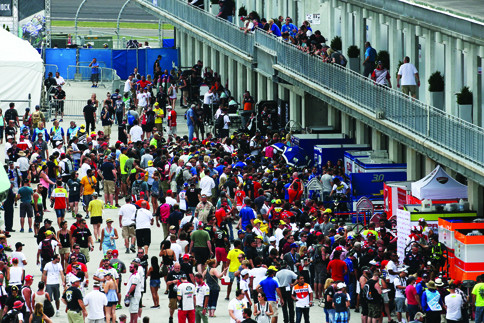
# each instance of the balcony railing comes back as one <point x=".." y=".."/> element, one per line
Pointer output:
<point x="461" y="138"/>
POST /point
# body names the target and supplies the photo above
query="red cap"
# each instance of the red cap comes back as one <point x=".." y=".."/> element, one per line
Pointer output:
<point x="93" y="135"/>
<point x="63" y="154"/>
<point x="119" y="142"/>
<point x="318" y="233"/>
<point x="169" y="192"/>
<point x="186" y="256"/>
<point x="141" y="193"/>
<point x="22" y="137"/>
<point x="200" y="223"/>
<point x="339" y="248"/>
<point x="104" y="144"/>
<point x="29" y="277"/>
<point x="225" y="203"/>
<point x="115" y="252"/>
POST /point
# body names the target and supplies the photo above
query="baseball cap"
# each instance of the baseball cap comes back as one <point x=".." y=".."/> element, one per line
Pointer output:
<point x="172" y="227"/>
<point x="75" y="279"/>
<point x="115" y="252"/>
<point x="48" y="233"/>
<point x="186" y="256"/>
<point x="109" y="220"/>
<point x="272" y="268"/>
<point x="241" y="231"/>
<point x="271" y="239"/>
<point x="169" y="192"/>
<point x="244" y="272"/>
<point x="200" y="223"/>
<point x="19" y="244"/>
<point x="150" y="163"/>
<point x="29" y="277"/>
<point x="341" y="285"/>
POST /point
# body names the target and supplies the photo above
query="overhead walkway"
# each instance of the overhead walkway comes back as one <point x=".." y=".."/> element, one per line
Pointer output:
<point x="433" y="133"/>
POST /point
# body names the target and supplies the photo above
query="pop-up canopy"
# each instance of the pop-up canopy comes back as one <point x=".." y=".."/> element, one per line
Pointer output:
<point x="22" y="68"/>
<point x="438" y="185"/>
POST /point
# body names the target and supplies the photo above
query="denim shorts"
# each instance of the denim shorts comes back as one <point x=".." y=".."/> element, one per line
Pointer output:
<point x="155" y="283"/>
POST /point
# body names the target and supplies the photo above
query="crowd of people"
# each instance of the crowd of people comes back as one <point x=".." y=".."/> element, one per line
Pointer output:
<point x="231" y="211"/>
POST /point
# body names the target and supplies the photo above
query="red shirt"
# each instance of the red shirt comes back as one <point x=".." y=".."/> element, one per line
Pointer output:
<point x="144" y="83"/>
<point x="257" y="185"/>
<point x="239" y="197"/>
<point x="172" y="118"/>
<point x="220" y="214"/>
<point x="411" y="292"/>
<point x="337" y="268"/>
<point x="138" y="203"/>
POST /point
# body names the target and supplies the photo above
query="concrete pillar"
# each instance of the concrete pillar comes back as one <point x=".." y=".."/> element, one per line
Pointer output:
<point x="345" y="124"/>
<point x="476" y="197"/>
<point x="376" y="140"/>
<point x="394" y="151"/>
<point x="429" y="165"/>
<point x="270" y="89"/>
<point x="413" y="165"/>
<point x="261" y="93"/>
<point x="241" y="84"/>
<point x="330" y="23"/>
<point x="375" y="31"/>
<point x="205" y="55"/>
<point x="231" y="76"/>
<point x="222" y="67"/>
<point x="250" y="81"/>
<point x="183" y="49"/>
<point x="346" y="27"/>
<point x="410" y="45"/>
<point x="360" y="133"/>
<point x="294" y="107"/>
<point x="332" y="116"/>
<point x="189" y="51"/>
<point x="450" y="75"/>
<point x="472" y="80"/>
<point x="360" y="30"/>
<point x="395" y="47"/>
<point x="429" y="61"/>
<point x="302" y="107"/>
<point x="196" y="49"/>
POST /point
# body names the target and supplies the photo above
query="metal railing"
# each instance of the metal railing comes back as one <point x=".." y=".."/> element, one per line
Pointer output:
<point x="50" y="68"/>
<point x="76" y="73"/>
<point x="462" y="138"/>
<point x="216" y="27"/>
<point x="72" y="108"/>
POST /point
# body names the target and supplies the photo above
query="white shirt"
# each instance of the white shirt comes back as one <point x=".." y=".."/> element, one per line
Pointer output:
<point x="393" y="267"/>
<point x="187" y="219"/>
<point x="341" y="189"/>
<point x="60" y="80"/>
<point x="127" y="86"/>
<point x="83" y="170"/>
<point x="134" y="279"/>
<point x="259" y="274"/>
<point x="202" y="292"/>
<point x="177" y="249"/>
<point x="127" y="212"/>
<point x="183" y="202"/>
<point x="23" y="164"/>
<point x="407" y="71"/>
<point x="278" y="235"/>
<point x="237" y="306"/>
<point x="142" y="99"/>
<point x="170" y="200"/>
<point x="326" y="180"/>
<point x="20" y="256"/>
<point x="136" y="132"/>
<point x="95" y="300"/>
<point x="143" y="219"/>
<point x="53" y="273"/>
<point x="226" y="121"/>
<point x="399" y="293"/>
<point x="187" y="292"/>
<point x="207" y="98"/>
<point x="244" y="286"/>
<point x="53" y="243"/>
<point x="454" y="304"/>
<point x="206" y="185"/>
<point x="101" y="272"/>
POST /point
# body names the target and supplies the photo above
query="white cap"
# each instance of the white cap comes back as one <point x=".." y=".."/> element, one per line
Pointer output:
<point x="341" y="285"/>
<point x="75" y="279"/>
<point x="244" y="272"/>
<point x="272" y="239"/>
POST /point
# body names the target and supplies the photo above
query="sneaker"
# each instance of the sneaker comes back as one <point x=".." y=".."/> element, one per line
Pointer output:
<point x="108" y="206"/>
<point x="86" y="217"/>
<point x="52" y="120"/>
<point x="61" y="120"/>
<point x="22" y="230"/>
<point x="127" y="250"/>
<point x="93" y="85"/>
<point x="30" y="230"/>
<point x="114" y="207"/>
<point x="170" y="320"/>
<point x="118" y="307"/>
<point x="99" y="240"/>
<point x="118" y="206"/>
<point x="132" y="248"/>
<point x="155" y="306"/>
<point x="57" y="313"/>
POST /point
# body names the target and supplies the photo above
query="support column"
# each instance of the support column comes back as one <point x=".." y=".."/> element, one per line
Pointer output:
<point x="475" y="192"/>
<point x="394" y="151"/>
<point x="429" y="61"/>
<point x="472" y="80"/>
<point x="360" y="30"/>
<point x="395" y="46"/>
<point x="332" y="115"/>
<point x="429" y="165"/>
<point x="376" y="139"/>
<point x="250" y="86"/>
<point x="412" y="165"/>
<point x="294" y="108"/>
<point x="411" y="45"/>
<point x="270" y="89"/>
<point x="183" y="49"/>
<point x="205" y="58"/>
<point x="360" y="133"/>
<point x="222" y="68"/>
<point x="375" y="31"/>
<point x="240" y="82"/>
<point x="261" y="93"/>
<point x="190" y="49"/>
<point x="345" y="124"/>
<point x="346" y="26"/>
<point x="197" y="55"/>
<point x="449" y="75"/>
<point x="231" y="76"/>
<point x="302" y="108"/>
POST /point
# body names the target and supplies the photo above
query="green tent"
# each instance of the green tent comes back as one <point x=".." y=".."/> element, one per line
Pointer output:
<point x="4" y="183"/>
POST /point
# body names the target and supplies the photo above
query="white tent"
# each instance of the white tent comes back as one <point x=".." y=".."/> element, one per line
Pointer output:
<point x="22" y="69"/>
<point x="438" y="185"/>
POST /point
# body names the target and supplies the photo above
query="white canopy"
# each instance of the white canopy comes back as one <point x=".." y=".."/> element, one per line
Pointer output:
<point x="438" y="185"/>
<point x="22" y="70"/>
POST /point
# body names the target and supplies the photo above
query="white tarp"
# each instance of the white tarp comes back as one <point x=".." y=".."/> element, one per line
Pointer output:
<point x="22" y="70"/>
<point x="438" y="185"/>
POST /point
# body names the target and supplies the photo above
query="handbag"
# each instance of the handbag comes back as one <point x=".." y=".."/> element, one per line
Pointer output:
<point x="48" y="308"/>
<point x="163" y="271"/>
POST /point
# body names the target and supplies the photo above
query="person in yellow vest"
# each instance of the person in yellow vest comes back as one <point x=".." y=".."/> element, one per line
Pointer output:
<point x="159" y="115"/>
<point x="95" y="208"/>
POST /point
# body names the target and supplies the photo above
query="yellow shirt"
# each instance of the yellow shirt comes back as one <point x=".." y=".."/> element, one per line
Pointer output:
<point x="159" y="115"/>
<point x="234" y="260"/>
<point x="96" y="208"/>
<point x="89" y="184"/>
<point x="122" y="161"/>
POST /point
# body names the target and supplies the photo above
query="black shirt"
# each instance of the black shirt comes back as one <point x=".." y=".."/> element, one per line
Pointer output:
<point x="187" y="269"/>
<point x="172" y="275"/>
<point x="41" y="233"/>
<point x="107" y="171"/>
<point x="192" y="197"/>
<point x="10" y="114"/>
<point x="72" y="296"/>
<point x="10" y="131"/>
<point x="74" y="186"/>
<point x="89" y="111"/>
<point x="174" y="218"/>
<point x="82" y="237"/>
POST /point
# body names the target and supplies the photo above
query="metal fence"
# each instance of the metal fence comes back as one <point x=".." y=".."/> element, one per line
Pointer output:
<point x="78" y="73"/>
<point x="20" y="105"/>
<point x="219" y="28"/>
<point x="72" y="108"/>
<point x="460" y="137"/>
<point x="50" y="68"/>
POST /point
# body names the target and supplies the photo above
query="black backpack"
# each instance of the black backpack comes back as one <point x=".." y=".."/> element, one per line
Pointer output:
<point x="219" y="123"/>
<point x="317" y="257"/>
<point x="150" y="118"/>
<point x="11" y="317"/>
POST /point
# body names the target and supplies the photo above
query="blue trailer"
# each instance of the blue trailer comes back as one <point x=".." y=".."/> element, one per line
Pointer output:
<point x="323" y="153"/>
<point x="308" y="141"/>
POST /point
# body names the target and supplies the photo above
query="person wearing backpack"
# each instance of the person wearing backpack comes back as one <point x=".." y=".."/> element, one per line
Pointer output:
<point x="370" y="58"/>
<point x="14" y="315"/>
<point x="222" y="124"/>
<point x="46" y="249"/>
<point x="372" y="293"/>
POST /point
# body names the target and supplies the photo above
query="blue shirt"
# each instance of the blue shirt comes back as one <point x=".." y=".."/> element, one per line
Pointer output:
<point x="275" y="30"/>
<point x="190" y="115"/>
<point x="246" y="214"/>
<point x="25" y="193"/>
<point x="269" y="286"/>
<point x="349" y="264"/>
<point x="370" y="52"/>
<point x="95" y="68"/>
<point x="289" y="28"/>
